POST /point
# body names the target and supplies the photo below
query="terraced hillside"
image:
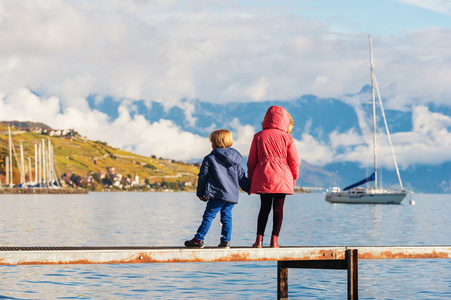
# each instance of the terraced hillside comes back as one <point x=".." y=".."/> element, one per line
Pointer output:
<point x="94" y="164"/>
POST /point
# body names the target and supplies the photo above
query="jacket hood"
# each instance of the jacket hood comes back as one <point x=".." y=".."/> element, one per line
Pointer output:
<point x="276" y="117"/>
<point x="228" y="156"/>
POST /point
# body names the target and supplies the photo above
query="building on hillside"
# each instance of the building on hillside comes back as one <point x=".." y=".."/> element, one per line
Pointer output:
<point x="59" y="132"/>
<point x="101" y="174"/>
<point x="135" y="180"/>
<point x="111" y="171"/>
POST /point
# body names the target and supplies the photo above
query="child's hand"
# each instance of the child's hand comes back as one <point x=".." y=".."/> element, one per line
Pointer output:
<point x="203" y="199"/>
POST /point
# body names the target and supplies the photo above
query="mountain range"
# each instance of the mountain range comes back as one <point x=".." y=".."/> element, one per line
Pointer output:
<point x="319" y="116"/>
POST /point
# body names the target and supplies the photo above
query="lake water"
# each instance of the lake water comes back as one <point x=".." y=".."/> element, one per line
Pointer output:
<point x="168" y="219"/>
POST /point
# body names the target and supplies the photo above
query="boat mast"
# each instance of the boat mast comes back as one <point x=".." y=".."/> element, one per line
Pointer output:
<point x="374" y="114"/>
<point x="7" y="170"/>
<point x="10" y="158"/>
<point x="40" y="166"/>
<point x="44" y="165"/>
<point x="35" y="164"/>
<point x="22" y="167"/>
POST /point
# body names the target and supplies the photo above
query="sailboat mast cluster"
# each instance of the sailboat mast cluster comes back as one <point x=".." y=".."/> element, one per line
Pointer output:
<point x="44" y="167"/>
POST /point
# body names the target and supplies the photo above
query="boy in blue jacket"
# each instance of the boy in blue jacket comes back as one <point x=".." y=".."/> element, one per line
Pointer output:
<point x="220" y="177"/>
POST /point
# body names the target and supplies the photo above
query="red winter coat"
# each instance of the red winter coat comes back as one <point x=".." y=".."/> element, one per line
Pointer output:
<point x="273" y="163"/>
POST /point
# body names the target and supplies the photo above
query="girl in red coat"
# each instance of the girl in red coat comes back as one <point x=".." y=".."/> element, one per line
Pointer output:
<point x="273" y="167"/>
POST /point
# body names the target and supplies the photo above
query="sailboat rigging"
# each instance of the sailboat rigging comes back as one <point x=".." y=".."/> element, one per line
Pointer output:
<point x="375" y="195"/>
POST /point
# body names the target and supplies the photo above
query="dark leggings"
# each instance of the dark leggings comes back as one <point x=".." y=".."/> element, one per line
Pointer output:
<point x="267" y="201"/>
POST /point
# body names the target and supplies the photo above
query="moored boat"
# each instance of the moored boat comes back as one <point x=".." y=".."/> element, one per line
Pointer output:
<point x="376" y="194"/>
<point x="366" y="196"/>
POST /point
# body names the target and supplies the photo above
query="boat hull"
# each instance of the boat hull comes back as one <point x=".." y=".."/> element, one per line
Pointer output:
<point x="366" y="198"/>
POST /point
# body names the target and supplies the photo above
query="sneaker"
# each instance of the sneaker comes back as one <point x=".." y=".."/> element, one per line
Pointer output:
<point x="193" y="244"/>
<point x="224" y="245"/>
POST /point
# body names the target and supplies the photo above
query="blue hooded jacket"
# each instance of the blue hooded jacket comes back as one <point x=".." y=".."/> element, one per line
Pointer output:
<point x="221" y="175"/>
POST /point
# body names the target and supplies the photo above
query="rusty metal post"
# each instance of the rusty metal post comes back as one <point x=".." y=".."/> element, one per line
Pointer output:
<point x="282" y="280"/>
<point x="283" y="266"/>
<point x="352" y="259"/>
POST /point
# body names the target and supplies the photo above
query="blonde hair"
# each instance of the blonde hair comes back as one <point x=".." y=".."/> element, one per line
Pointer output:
<point x="221" y="138"/>
<point x="291" y="124"/>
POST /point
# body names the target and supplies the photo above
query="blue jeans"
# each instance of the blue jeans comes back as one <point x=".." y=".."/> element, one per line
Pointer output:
<point x="212" y="209"/>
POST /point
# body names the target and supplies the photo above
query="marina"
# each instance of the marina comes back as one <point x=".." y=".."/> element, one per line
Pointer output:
<point x="42" y="191"/>
<point x="42" y="177"/>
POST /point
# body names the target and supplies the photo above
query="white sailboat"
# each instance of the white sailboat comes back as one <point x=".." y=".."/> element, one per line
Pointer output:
<point x="376" y="194"/>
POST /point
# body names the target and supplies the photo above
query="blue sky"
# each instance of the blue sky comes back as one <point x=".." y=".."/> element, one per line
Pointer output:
<point x="54" y="54"/>
<point x="382" y="17"/>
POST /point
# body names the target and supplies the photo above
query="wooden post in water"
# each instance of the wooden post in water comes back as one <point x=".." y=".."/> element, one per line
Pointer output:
<point x="282" y="280"/>
<point x="352" y="258"/>
<point x="349" y="263"/>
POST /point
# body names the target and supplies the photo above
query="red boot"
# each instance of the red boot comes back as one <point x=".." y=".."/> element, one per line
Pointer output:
<point x="258" y="241"/>
<point x="274" y="242"/>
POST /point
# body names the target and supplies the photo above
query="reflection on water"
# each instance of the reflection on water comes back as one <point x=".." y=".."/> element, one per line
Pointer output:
<point x="168" y="219"/>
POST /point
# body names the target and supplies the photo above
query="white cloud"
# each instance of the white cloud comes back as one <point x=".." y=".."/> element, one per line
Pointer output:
<point x="313" y="151"/>
<point x="435" y="125"/>
<point x="430" y="140"/>
<point x="257" y="92"/>
<point x="23" y="105"/>
<point x="242" y="136"/>
<point x="350" y="138"/>
<point x="188" y="108"/>
<point x="217" y="52"/>
<point x="136" y="134"/>
<point x="428" y="143"/>
<point x="162" y="138"/>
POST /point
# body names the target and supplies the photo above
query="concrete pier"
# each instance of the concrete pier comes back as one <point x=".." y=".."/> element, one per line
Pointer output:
<point x="137" y="254"/>
<point x="344" y="258"/>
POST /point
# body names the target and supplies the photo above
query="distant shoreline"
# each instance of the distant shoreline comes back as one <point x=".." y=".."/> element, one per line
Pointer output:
<point x="41" y="191"/>
<point x="25" y="191"/>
